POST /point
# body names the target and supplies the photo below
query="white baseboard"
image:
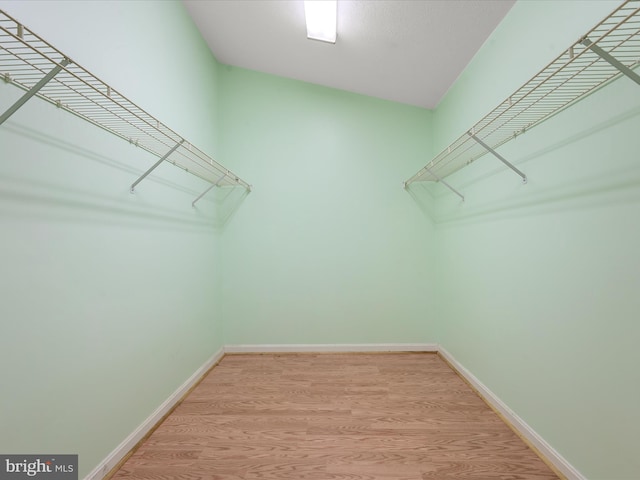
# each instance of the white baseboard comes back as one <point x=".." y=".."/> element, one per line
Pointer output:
<point x="128" y="443"/>
<point x="337" y="347"/>
<point x="518" y="423"/>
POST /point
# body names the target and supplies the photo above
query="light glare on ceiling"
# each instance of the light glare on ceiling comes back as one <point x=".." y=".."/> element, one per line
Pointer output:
<point x="321" y="19"/>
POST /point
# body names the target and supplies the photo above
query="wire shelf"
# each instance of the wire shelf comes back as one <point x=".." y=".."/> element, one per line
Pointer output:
<point x="575" y="73"/>
<point x="25" y="59"/>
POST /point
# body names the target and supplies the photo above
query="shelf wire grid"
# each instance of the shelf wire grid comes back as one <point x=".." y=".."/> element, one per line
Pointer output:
<point x="25" y="59"/>
<point x="574" y="74"/>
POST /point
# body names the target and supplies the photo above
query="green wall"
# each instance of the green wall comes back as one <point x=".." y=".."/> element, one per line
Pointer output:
<point x="328" y="248"/>
<point x="109" y="300"/>
<point x="539" y="282"/>
<point x="112" y="300"/>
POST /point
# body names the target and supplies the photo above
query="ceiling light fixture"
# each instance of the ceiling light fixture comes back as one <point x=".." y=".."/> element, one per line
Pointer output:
<point x="321" y="18"/>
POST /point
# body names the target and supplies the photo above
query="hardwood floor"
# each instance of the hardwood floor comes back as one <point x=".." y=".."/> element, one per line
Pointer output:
<point x="333" y="417"/>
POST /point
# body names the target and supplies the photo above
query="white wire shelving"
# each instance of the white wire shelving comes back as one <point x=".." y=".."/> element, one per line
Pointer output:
<point x="609" y="51"/>
<point x="30" y="63"/>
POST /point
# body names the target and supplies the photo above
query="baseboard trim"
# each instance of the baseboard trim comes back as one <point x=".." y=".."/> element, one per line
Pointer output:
<point x="546" y="451"/>
<point x="333" y="347"/>
<point x="129" y="443"/>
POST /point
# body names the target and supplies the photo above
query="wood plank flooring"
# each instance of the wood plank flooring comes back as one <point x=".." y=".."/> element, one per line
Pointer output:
<point x="333" y="417"/>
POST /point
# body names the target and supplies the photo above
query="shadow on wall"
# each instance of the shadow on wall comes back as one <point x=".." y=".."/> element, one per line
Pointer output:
<point x="424" y="197"/>
<point x="622" y="187"/>
<point x="65" y="182"/>
<point x="563" y="175"/>
<point x="551" y="148"/>
<point x="227" y="200"/>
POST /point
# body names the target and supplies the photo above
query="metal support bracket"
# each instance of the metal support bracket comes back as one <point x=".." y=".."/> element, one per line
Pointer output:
<point x="611" y="59"/>
<point x="498" y="156"/>
<point x="441" y="180"/>
<point x="166" y="155"/>
<point x="193" y="204"/>
<point x="33" y="90"/>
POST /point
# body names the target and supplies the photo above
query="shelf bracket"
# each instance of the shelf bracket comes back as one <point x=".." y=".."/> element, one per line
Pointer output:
<point x="441" y="180"/>
<point x="607" y="57"/>
<point x="498" y="156"/>
<point x="33" y="90"/>
<point x="166" y="155"/>
<point x="193" y="204"/>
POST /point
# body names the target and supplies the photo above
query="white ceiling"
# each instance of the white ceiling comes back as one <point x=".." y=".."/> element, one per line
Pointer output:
<point x="405" y="51"/>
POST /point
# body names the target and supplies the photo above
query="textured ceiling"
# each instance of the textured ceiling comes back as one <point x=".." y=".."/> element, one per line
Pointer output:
<point x="406" y="51"/>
